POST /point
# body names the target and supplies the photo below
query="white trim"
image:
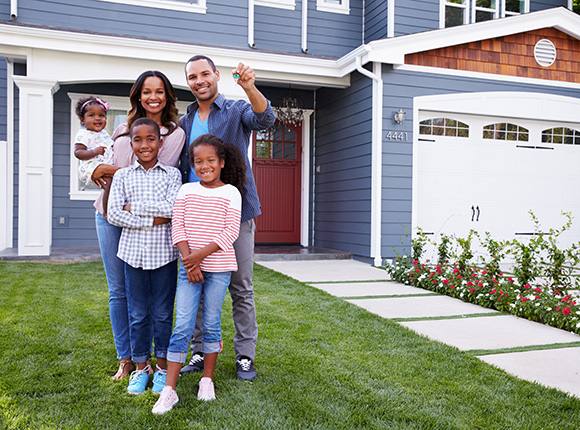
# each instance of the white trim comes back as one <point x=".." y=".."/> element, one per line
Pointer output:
<point x="390" y="18"/>
<point x="570" y="4"/>
<point x="323" y="6"/>
<point x="251" y="41"/>
<point x="305" y="180"/>
<point x="35" y="165"/>
<point x="4" y="203"/>
<point x="494" y="11"/>
<point x="196" y="7"/>
<point x="13" y="9"/>
<point x="116" y="103"/>
<point x="10" y="153"/>
<point x="280" y="4"/>
<point x="304" y="29"/>
<point x="488" y="76"/>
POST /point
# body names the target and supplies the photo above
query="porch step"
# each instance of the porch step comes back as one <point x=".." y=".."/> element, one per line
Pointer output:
<point x="297" y="253"/>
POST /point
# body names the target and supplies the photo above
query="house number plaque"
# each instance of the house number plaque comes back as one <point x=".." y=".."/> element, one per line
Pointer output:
<point x="396" y="136"/>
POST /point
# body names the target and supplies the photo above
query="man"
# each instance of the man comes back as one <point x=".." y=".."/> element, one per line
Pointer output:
<point x="233" y="122"/>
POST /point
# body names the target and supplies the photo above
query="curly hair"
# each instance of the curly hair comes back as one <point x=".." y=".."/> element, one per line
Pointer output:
<point x="85" y="102"/>
<point x="169" y="117"/>
<point x="234" y="170"/>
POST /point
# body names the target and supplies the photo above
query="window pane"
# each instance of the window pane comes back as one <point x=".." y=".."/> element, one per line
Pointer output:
<point x="568" y="140"/>
<point x="463" y="132"/>
<point x="516" y="6"/>
<point x="439" y="122"/>
<point x="483" y="16"/>
<point x="263" y="149"/>
<point x="523" y="137"/>
<point x="277" y="152"/>
<point x="424" y="129"/>
<point x="489" y="4"/>
<point x="451" y="132"/>
<point x="114" y="119"/>
<point x="487" y="134"/>
<point x="546" y="138"/>
<point x="500" y="135"/>
<point x="453" y="16"/>
<point x="438" y="131"/>
<point x="450" y="122"/>
<point x="456" y="1"/>
<point x="426" y="122"/>
<point x="290" y="135"/>
<point x="290" y="151"/>
<point x="557" y="139"/>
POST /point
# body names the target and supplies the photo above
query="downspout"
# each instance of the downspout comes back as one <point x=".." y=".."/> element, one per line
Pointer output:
<point x="390" y="18"/>
<point x="251" y="42"/>
<point x="376" y="157"/>
<point x="305" y="26"/>
<point x="570" y="5"/>
<point x="13" y="9"/>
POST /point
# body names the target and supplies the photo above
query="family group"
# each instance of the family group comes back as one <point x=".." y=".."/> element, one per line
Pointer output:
<point x="175" y="224"/>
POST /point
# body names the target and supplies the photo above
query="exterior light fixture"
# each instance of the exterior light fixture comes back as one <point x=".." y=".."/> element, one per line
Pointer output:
<point x="399" y="116"/>
<point x="289" y="112"/>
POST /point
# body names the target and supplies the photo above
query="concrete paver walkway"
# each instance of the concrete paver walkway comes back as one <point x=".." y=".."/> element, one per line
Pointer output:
<point x="551" y="356"/>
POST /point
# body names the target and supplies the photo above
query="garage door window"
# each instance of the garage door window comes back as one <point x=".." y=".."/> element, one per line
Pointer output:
<point x="567" y="136"/>
<point x="444" y="127"/>
<point x="506" y="131"/>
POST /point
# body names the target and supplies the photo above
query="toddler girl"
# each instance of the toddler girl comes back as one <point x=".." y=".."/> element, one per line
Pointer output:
<point x="93" y="145"/>
<point x="206" y="222"/>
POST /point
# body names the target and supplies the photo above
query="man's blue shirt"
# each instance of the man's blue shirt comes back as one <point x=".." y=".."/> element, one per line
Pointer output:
<point x="233" y="122"/>
<point x="198" y="128"/>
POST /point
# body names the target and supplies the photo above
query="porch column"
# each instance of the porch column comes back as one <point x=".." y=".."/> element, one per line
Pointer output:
<point x="35" y="165"/>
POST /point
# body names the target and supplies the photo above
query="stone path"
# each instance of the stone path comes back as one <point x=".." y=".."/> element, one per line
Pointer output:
<point x="528" y="350"/>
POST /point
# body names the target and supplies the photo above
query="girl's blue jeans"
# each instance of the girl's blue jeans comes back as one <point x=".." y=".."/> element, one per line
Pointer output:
<point x="150" y="295"/>
<point x="187" y="300"/>
<point x="108" y="236"/>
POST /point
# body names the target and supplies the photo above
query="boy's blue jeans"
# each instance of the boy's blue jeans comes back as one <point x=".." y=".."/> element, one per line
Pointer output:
<point x="187" y="300"/>
<point x="108" y="236"/>
<point x="150" y="295"/>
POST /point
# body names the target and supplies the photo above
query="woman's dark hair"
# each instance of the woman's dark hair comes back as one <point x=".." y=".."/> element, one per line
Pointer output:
<point x="169" y="117"/>
<point x="85" y="102"/>
<point x="234" y="171"/>
<point x="145" y="121"/>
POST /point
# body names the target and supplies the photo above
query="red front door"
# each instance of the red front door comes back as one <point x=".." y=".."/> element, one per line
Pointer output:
<point x="277" y="169"/>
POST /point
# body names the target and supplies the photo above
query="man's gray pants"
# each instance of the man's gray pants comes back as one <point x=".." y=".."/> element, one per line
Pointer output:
<point x="242" y="292"/>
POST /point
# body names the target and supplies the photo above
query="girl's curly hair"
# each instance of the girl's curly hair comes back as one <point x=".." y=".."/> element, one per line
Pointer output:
<point x="234" y="170"/>
<point x="85" y="102"/>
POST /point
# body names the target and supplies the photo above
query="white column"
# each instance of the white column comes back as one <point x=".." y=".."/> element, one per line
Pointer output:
<point x="3" y="192"/>
<point x="35" y="165"/>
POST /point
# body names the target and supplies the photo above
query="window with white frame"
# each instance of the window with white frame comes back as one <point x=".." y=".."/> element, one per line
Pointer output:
<point x="564" y="135"/>
<point x="506" y="131"/>
<point x="515" y="7"/>
<point x="197" y="6"/>
<point x="444" y="127"/>
<point x="456" y="12"/>
<point x="336" y="6"/>
<point x="281" y="4"/>
<point x="116" y="115"/>
<point x="484" y="10"/>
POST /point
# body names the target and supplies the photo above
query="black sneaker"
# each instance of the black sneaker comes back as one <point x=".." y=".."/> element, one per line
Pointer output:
<point x="195" y="364"/>
<point x="245" y="369"/>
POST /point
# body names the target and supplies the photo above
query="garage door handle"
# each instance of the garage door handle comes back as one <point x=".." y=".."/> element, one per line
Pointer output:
<point x="472" y="213"/>
<point x="477" y="219"/>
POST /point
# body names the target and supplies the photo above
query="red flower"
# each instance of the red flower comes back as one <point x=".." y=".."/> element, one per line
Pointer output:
<point x="438" y="269"/>
<point x="417" y="270"/>
<point x="415" y="262"/>
<point x="483" y="272"/>
<point x="538" y="290"/>
<point x="434" y="281"/>
<point x="493" y="291"/>
<point x="557" y="308"/>
<point x="566" y="298"/>
<point x="459" y="277"/>
<point x="470" y="284"/>
<point x="474" y="275"/>
<point x="566" y="311"/>
<point x="445" y="281"/>
<point x="538" y="297"/>
<point x="527" y="286"/>
<point x="472" y="290"/>
<point x="480" y="284"/>
<point x="510" y="280"/>
<point x="452" y="287"/>
<point x="456" y="270"/>
<point x="524" y="299"/>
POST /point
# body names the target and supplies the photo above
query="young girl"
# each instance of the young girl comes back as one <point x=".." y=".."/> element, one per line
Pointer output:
<point x="206" y="222"/>
<point x="93" y="145"/>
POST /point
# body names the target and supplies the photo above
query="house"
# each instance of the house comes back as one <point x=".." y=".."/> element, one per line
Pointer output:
<point x="441" y="114"/>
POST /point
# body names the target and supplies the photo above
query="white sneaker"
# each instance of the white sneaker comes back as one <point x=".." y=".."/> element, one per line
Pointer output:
<point x="206" y="390"/>
<point x="167" y="400"/>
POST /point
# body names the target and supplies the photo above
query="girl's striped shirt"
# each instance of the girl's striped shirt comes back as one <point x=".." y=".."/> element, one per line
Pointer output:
<point x="203" y="215"/>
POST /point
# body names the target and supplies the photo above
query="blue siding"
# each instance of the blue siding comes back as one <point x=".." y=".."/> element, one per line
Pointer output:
<point x="415" y="16"/>
<point x="3" y="105"/>
<point x="375" y="20"/>
<point x="536" y="5"/>
<point x="343" y="154"/>
<point x="399" y="89"/>
<point x="4" y="9"/>
<point x="224" y="24"/>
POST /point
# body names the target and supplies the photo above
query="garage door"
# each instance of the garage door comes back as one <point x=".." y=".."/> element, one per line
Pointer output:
<point x="486" y="173"/>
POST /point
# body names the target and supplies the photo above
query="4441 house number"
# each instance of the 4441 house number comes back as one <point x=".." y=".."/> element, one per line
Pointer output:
<point x="396" y="136"/>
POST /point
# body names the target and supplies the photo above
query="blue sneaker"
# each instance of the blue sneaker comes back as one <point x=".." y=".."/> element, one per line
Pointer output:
<point x="159" y="379"/>
<point x="138" y="381"/>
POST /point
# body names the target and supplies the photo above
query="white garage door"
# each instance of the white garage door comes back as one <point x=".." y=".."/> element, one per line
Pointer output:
<point x="486" y="173"/>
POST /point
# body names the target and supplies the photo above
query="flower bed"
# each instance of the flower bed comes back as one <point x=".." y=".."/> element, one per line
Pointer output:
<point x="473" y="285"/>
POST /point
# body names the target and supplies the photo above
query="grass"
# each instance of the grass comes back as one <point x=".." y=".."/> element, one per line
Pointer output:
<point x="323" y="364"/>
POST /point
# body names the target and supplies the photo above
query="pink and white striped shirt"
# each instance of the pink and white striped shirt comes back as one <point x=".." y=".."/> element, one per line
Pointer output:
<point x="203" y="215"/>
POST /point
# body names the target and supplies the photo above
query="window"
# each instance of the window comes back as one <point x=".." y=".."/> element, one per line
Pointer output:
<point x="456" y="12"/>
<point x="515" y="7"/>
<point x="337" y="6"/>
<point x="276" y="143"/>
<point x="505" y="131"/>
<point x="197" y="6"/>
<point x="567" y="136"/>
<point x="444" y="127"/>
<point x="282" y="4"/>
<point x="116" y="115"/>
<point x="484" y="10"/>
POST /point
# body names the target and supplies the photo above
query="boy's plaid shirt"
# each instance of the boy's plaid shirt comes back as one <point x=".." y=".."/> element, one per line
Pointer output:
<point x="150" y="193"/>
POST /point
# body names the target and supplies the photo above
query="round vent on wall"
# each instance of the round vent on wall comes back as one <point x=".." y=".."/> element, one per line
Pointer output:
<point x="545" y="53"/>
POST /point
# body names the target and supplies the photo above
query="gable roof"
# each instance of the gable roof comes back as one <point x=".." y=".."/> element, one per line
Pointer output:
<point x="393" y="51"/>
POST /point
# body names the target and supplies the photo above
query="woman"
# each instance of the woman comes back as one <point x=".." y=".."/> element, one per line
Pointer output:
<point x="152" y="96"/>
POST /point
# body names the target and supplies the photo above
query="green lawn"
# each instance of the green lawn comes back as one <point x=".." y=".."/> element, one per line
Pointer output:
<point x="322" y="363"/>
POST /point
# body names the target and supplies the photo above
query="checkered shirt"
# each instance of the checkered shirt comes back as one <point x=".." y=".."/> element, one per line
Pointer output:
<point x="150" y="193"/>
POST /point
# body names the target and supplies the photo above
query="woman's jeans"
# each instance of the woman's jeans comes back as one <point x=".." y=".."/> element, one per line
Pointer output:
<point x="108" y="236"/>
<point x="187" y="300"/>
<point x="150" y="295"/>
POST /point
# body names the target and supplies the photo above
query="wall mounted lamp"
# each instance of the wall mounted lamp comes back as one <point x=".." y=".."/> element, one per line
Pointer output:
<point x="399" y="116"/>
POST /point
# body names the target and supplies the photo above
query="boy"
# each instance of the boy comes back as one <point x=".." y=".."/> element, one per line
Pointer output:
<point x="141" y="201"/>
